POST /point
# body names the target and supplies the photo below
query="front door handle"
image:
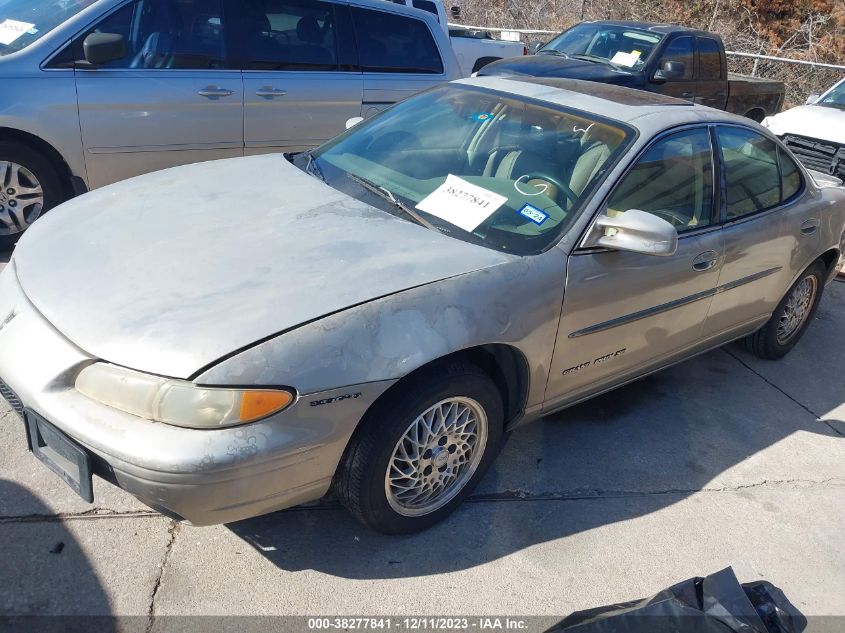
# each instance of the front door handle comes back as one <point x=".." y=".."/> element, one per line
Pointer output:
<point x="809" y="227"/>
<point x="268" y="92"/>
<point x="705" y="261"/>
<point x="214" y="92"/>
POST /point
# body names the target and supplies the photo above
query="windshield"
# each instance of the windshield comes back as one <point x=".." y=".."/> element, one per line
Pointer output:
<point x="835" y="98"/>
<point x="617" y="45"/>
<point x="479" y="166"/>
<point x="22" y="22"/>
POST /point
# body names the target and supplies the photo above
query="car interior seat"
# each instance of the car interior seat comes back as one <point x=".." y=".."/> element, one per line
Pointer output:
<point x="163" y="25"/>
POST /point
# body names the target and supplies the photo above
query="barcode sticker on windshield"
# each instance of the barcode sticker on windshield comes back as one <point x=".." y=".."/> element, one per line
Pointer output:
<point x="10" y="30"/>
<point x="461" y="203"/>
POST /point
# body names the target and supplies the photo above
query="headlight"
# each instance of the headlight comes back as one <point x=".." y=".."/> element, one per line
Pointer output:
<point x="178" y="402"/>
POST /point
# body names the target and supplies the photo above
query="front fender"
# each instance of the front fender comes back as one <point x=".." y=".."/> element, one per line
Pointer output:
<point x="516" y="303"/>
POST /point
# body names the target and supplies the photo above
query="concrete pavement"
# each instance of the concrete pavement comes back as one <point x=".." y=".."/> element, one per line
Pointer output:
<point x="722" y="460"/>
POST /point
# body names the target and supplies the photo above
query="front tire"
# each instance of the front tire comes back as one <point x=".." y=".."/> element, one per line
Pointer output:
<point x="29" y="187"/>
<point x="422" y="449"/>
<point x="791" y="317"/>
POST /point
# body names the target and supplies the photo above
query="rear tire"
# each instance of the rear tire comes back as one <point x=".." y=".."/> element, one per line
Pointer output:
<point x="422" y="449"/>
<point x="29" y="187"/>
<point x="792" y="316"/>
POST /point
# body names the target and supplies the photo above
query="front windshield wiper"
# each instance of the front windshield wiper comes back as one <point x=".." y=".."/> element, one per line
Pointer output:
<point x="388" y="195"/>
<point x="551" y="51"/>
<point x="591" y="58"/>
<point x="311" y="167"/>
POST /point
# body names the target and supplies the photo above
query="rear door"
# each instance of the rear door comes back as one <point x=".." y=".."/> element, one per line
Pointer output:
<point x="711" y="88"/>
<point x="398" y="55"/>
<point x="681" y="48"/>
<point x="171" y="100"/>
<point x="625" y="312"/>
<point x="768" y="237"/>
<point x="301" y="80"/>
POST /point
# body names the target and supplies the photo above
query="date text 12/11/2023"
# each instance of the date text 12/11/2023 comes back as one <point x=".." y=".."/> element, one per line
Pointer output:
<point x="418" y="623"/>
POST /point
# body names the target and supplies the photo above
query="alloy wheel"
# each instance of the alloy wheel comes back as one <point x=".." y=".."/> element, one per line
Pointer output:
<point x="21" y="198"/>
<point x="436" y="456"/>
<point x="798" y="305"/>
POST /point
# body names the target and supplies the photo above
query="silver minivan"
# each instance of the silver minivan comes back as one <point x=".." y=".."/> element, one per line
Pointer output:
<point x="95" y="91"/>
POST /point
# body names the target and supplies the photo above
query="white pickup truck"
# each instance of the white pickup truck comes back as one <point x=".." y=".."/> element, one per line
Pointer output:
<point x="473" y="49"/>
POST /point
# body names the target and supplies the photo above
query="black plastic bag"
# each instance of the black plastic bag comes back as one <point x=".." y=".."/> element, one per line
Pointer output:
<point x="714" y="604"/>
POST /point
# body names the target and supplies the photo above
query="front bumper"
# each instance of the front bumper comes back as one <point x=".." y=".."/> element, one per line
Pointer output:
<point x="200" y="476"/>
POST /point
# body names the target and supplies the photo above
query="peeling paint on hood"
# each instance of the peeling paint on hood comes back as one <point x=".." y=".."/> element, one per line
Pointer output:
<point x="169" y="272"/>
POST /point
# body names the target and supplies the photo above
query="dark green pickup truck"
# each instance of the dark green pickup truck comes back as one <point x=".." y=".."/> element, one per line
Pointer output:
<point x="672" y="60"/>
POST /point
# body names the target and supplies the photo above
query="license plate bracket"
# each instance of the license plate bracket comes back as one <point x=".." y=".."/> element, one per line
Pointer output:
<point x="60" y="454"/>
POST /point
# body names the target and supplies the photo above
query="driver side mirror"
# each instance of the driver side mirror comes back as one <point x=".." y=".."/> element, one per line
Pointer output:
<point x="670" y="71"/>
<point x="102" y="48"/>
<point x="534" y="47"/>
<point x="637" y="232"/>
<point x="812" y="98"/>
<point x="350" y="123"/>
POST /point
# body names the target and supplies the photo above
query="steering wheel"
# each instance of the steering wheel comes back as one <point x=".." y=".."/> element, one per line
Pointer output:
<point x="671" y="217"/>
<point x="562" y="188"/>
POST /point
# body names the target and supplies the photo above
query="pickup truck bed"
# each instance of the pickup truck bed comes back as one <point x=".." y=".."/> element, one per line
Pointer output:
<point x="753" y="96"/>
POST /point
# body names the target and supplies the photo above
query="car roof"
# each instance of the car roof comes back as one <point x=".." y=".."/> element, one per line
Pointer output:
<point x="646" y="111"/>
<point x="655" y="27"/>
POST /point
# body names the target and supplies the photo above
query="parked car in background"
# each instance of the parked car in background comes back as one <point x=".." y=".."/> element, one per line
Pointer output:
<point x="473" y="48"/>
<point x="102" y="90"/>
<point x="235" y="337"/>
<point x="671" y="60"/>
<point x="815" y="132"/>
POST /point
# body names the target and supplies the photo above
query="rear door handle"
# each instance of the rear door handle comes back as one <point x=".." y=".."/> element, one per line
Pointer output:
<point x="705" y="261"/>
<point x="268" y="92"/>
<point x="214" y="92"/>
<point x="809" y="227"/>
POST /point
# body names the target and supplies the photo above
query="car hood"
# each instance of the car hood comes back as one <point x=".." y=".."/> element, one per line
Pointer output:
<point x="170" y="272"/>
<point x="557" y="66"/>
<point x="815" y="121"/>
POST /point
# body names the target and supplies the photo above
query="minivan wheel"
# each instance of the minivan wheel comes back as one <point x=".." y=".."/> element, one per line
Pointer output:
<point x="422" y="449"/>
<point x="791" y="317"/>
<point x="29" y="187"/>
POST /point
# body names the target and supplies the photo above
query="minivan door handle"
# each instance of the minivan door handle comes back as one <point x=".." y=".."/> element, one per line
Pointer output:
<point x="810" y="226"/>
<point x="268" y="92"/>
<point x="705" y="261"/>
<point x="214" y="92"/>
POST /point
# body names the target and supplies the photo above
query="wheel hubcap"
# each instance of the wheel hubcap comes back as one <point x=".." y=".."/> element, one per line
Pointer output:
<point x="797" y="309"/>
<point x="436" y="456"/>
<point x="21" y="198"/>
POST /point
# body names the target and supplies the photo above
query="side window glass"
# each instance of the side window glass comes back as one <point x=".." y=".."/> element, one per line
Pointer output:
<point x="391" y="43"/>
<point x="168" y="35"/>
<point x="709" y="59"/>
<point x="791" y="175"/>
<point x="752" y="177"/>
<point x="427" y="5"/>
<point x="681" y="49"/>
<point x="672" y="180"/>
<point x="285" y="35"/>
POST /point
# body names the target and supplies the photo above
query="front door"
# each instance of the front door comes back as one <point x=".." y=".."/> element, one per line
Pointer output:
<point x="679" y="49"/>
<point x="624" y="312"/>
<point x="171" y="100"/>
<point x="301" y="83"/>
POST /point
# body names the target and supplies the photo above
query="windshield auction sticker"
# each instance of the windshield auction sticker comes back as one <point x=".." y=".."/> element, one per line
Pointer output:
<point x="461" y="203"/>
<point x="10" y="30"/>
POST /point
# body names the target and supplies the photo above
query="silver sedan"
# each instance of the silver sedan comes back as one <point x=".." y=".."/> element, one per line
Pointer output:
<point x="372" y="317"/>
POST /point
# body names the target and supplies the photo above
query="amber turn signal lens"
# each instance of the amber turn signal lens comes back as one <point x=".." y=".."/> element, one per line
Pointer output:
<point x="260" y="404"/>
